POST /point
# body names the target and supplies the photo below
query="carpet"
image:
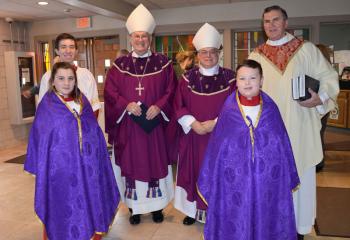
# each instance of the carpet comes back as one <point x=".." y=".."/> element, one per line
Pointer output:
<point x="333" y="212"/>
<point x="18" y="160"/>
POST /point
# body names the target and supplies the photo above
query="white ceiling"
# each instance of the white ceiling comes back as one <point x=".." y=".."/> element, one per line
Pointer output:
<point x="29" y="10"/>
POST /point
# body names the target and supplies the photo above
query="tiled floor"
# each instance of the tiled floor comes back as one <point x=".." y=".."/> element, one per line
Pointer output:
<point x="18" y="221"/>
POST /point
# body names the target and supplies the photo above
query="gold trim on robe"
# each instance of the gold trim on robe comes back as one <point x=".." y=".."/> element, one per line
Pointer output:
<point x="281" y="55"/>
<point x="251" y="128"/>
<point x="77" y="117"/>
<point x="212" y="93"/>
<point x="142" y="75"/>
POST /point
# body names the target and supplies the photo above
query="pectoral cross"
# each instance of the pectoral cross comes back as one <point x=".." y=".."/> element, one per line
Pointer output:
<point x="140" y="88"/>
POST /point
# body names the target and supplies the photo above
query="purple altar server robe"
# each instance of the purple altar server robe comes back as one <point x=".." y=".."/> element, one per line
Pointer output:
<point x="202" y="97"/>
<point x="248" y="175"/>
<point x="75" y="190"/>
<point x="140" y="156"/>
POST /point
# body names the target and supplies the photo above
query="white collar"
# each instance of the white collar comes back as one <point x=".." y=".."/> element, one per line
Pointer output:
<point x="209" y="71"/>
<point x="146" y="54"/>
<point x="287" y="37"/>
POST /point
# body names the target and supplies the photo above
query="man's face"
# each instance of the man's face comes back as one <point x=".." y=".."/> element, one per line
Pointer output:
<point x="274" y="25"/>
<point x="140" y="41"/>
<point x="208" y="57"/>
<point x="66" y="50"/>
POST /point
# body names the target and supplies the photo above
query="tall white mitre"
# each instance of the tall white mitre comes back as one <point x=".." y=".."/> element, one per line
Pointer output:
<point x="140" y="20"/>
<point x="207" y="36"/>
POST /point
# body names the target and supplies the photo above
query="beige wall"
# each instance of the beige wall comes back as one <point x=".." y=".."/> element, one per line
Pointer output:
<point x="10" y="135"/>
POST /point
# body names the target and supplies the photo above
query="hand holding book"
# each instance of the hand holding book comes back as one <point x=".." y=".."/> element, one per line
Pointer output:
<point x="313" y="101"/>
<point x="301" y="85"/>
<point x="146" y="123"/>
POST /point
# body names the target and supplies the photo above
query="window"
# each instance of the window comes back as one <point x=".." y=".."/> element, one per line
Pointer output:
<point x="245" y="41"/>
<point x="46" y="56"/>
<point x="171" y="45"/>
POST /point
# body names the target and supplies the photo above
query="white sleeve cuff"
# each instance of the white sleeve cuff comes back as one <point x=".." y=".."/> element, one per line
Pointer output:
<point x="121" y="117"/>
<point x="164" y="116"/>
<point x="321" y="109"/>
<point x="324" y="97"/>
<point x="185" y="122"/>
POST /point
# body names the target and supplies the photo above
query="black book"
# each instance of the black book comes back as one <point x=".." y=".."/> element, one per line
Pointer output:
<point x="300" y="86"/>
<point x="146" y="125"/>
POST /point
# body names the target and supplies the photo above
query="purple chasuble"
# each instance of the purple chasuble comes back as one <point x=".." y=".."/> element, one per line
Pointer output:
<point x="140" y="156"/>
<point x="76" y="193"/>
<point x="202" y="97"/>
<point x="248" y="175"/>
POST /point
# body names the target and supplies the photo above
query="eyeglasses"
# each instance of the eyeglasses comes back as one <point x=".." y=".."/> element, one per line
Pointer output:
<point x="208" y="53"/>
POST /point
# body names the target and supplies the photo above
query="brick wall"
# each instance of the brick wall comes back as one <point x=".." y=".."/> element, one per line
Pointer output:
<point x="10" y="135"/>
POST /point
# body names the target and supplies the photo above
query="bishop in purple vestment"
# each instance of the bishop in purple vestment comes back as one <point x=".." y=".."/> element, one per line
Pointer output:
<point x="76" y="194"/>
<point x="143" y="168"/>
<point x="249" y="172"/>
<point x="199" y="98"/>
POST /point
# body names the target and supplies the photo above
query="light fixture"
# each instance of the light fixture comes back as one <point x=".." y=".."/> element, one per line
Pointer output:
<point x="100" y="78"/>
<point x="43" y="3"/>
<point x="107" y="63"/>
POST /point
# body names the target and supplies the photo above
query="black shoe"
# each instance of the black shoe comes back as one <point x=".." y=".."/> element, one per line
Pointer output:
<point x="188" y="220"/>
<point x="300" y="237"/>
<point x="320" y="166"/>
<point x="157" y="216"/>
<point x="135" y="219"/>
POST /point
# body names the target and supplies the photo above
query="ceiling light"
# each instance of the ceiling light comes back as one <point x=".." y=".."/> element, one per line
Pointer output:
<point x="43" y="3"/>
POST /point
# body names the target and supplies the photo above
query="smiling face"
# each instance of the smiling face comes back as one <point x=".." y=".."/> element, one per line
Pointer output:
<point x="64" y="82"/>
<point x="249" y="81"/>
<point x="208" y="57"/>
<point x="140" y="41"/>
<point x="66" y="50"/>
<point x="274" y="25"/>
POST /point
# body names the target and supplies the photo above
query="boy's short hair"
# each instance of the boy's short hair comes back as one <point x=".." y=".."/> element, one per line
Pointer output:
<point x="251" y="64"/>
<point x="64" y="36"/>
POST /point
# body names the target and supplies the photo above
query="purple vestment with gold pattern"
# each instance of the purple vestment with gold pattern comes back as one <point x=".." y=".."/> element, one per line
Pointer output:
<point x="75" y="190"/>
<point x="248" y="175"/>
<point x="202" y="97"/>
<point x="140" y="156"/>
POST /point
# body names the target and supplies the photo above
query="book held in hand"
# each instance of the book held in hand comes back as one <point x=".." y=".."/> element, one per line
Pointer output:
<point x="300" y="86"/>
<point x="145" y="124"/>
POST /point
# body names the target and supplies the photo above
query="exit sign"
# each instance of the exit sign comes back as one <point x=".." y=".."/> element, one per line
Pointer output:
<point x="83" y="22"/>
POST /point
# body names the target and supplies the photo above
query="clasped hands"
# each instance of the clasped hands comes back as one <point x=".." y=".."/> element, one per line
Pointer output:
<point x="202" y="128"/>
<point x="136" y="110"/>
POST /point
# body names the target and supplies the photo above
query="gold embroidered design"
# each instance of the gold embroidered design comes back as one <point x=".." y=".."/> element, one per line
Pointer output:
<point x="281" y="55"/>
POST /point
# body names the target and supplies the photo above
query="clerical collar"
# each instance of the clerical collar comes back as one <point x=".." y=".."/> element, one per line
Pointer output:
<point x="146" y="54"/>
<point x="68" y="99"/>
<point x="252" y="102"/>
<point x="209" y="71"/>
<point x="280" y="41"/>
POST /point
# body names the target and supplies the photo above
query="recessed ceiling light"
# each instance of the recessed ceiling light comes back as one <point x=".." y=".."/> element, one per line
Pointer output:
<point x="43" y="3"/>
